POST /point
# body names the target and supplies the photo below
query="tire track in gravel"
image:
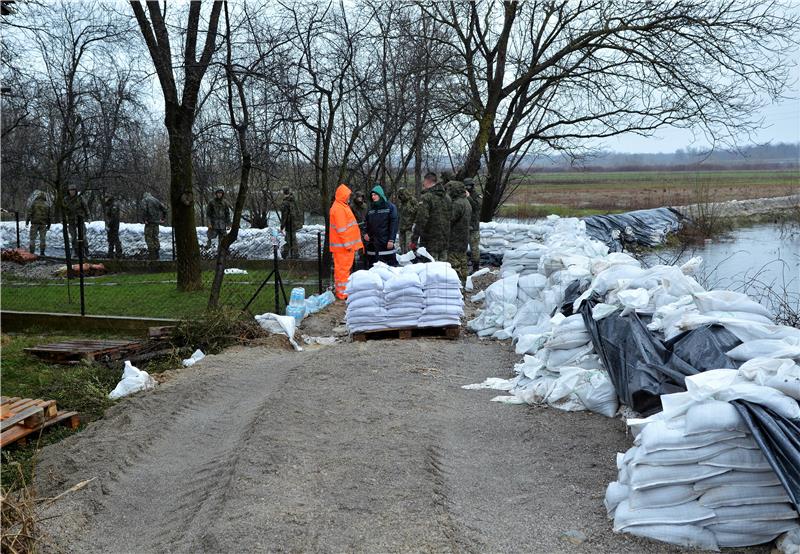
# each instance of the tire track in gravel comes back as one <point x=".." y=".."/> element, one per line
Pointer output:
<point x="165" y="459"/>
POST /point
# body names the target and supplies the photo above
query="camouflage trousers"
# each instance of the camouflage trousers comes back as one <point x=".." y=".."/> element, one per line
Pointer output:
<point x="151" y="238"/>
<point x="114" y="244"/>
<point x="459" y="262"/>
<point x="475" y="248"/>
<point x="290" y="250"/>
<point x="404" y="241"/>
<point x="73" y="239"/>
<point x="39" y="229"/>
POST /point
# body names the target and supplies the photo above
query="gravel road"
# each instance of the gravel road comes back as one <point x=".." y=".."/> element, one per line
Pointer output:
<point x="354" y="447"/>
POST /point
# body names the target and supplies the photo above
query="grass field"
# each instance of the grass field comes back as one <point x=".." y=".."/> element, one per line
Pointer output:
<point x="585" y="193"/>
<point x="142" y="295"/>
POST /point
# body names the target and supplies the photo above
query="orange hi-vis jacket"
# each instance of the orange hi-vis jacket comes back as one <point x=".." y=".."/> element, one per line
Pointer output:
<point x="344" y="233"/>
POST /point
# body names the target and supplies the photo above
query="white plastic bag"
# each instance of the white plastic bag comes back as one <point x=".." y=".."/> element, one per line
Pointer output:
<point x="196" y="356"/>
<point x="133" y="380"/>
<point x="280" y="325"/>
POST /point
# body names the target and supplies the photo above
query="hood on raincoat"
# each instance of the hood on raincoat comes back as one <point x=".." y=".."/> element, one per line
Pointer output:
<point x="456" y="189"/>
<point x="377" y="189"/>
<point x="342" y="193"/>
<point x="403" y="194"/>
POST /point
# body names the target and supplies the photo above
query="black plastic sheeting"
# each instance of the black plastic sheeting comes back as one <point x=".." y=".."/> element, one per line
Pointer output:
<point x="491" y="259"/>
<point x="642" y="367"/>
<point x="643" y="227"/>
<point x="779" y="440"/>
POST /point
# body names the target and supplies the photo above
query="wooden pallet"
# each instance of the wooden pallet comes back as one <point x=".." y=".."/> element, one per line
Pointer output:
<point x="451" y="332"/>
<point x="19" y="417"/>
<point x="73" y="351"/>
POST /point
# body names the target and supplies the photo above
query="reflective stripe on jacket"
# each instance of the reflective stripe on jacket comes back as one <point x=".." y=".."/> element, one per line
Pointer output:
<point x="344" y="232"/>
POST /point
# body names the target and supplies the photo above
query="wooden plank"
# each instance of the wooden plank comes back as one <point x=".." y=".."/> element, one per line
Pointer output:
<point x="8" y="400"/>
<point x="21" y="404"/>
<point x="18" y="432"/>
<point x="32" y="416"/>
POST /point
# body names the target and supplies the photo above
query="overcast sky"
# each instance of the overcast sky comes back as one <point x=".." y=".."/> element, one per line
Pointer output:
<point x="781" y="124"/>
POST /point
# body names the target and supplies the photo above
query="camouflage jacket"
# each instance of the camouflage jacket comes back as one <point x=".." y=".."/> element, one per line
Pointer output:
<point x="460" y="218"/>
<point x="219" y="214"/>
<point x="75" y="208"/>
<point x="39" y="212"/>
<point x="290" y="213"/>
<point x="432" y="224"/>
<point x="153" y="211"/>
<point x="407" y="207"/>
<point x="475" y="202"/>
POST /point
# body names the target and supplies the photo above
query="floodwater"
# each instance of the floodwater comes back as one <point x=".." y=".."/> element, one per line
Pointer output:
<point x="748" y="259"/>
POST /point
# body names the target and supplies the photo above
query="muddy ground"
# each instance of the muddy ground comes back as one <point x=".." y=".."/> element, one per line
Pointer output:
<point x="354" y="447"/>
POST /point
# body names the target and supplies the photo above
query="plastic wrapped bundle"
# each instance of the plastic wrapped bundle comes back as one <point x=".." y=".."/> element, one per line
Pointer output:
<point x="404" y="299"/>
<point x="443" y="301"/>
<point x="366" y="309"/>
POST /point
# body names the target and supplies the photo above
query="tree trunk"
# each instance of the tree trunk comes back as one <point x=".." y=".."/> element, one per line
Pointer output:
<point x="187" y="252"/>
<point x="492" y="190"/>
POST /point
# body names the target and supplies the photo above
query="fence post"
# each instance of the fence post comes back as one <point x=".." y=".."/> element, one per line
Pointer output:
<point x="16" y="217"/>
<point x="319" y="261"/>
<point x="275" y="271"/>
<point x="81" y="239"/>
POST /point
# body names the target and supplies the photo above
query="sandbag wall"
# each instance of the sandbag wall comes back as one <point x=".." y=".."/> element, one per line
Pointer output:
<point x="596" y="328"/>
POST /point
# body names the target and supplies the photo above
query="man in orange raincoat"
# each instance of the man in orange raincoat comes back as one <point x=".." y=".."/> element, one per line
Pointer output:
<point x="345" y="239"/>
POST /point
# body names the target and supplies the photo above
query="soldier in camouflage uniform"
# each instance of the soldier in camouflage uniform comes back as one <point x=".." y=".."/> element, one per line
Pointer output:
<point x="154" y="213"/>
<point x="474" y="198"/>
<point x="218" y="213"/>
<point x="76" y="211"/>
<point x="291" y="222"/>
<point x="460" y="219"/>
<point x="432" y="224"/>
<point x="111" y="213"/>
<point x="39" y="219"/>
<point x="407" y="207"/>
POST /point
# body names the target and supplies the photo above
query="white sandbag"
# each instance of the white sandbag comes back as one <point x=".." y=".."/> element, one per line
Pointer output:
<point x="658" y="436"/>
<point x="742" y="329"/>
<point x="615" y="493"/>
<point x="754" y="527"/>
<point x="790" y="542"/>
<point x="737" y="479"/>
<point x="503" y="291"/>
<point x="733" y="539"/>
<point x="765" y="348"/>
<point x="280" y="325"/>
<point x="365" y="303"/>
<point x="754" y="512"/>
<point x="662" y="497"/>
<point x="687" y="513"/>
<point x="602" y="311"/>
<point x="568" y="340"/>
<point x="681" y="456"/>
<point x="469" y="284"/>
<point x="196" y="356"/>
<point x="689" y="536"/>
<point x="740" y="495"/>
<point x="403" y="281"/>
<point x="740" y="316"/>
<point x="634" y="299"/>
<point x="646" y="476"/>
<point x="739" y="458"/>
<point x="780" y="374"/>
<point x="713" y="416"/>
<point x="577" y="389"/>
<point x="728" y="301"/>
<point x="363" y="280"/>
<point x="567" y="357"/>
<point x="493" y="383"/>
<point x="133" y="380"/>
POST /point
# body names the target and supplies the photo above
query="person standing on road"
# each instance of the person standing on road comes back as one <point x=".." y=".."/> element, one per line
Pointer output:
<point x="345" y="239"/>
<point x="154" y="213"/>
<point x="432" y="223"/>
<point x="475" y="199"/>
<point x="291" y="222"/>
<point x="39" y="219"/>
<point x="218" y="213"/>
<point x="407" y="211"/>
<point x="460" y="220"/>
<point x="76" y="211"/>
<point x="381" y="229"/>
<point x="111" y="213"/>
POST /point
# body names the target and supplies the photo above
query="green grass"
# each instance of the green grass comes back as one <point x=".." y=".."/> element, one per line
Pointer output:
<point x="142" y="295"/>
<point x="638" y="179"/>
<point x="532" y="211"/>
<point x="83" y="388"/>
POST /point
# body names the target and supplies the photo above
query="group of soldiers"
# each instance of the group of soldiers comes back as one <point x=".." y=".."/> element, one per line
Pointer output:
<point x="445" y="220"/>
<point x="153" y="213"/>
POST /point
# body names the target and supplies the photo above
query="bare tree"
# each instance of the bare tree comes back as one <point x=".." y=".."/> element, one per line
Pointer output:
<point x="179" y="117"/>
<point x="560" y="73"/>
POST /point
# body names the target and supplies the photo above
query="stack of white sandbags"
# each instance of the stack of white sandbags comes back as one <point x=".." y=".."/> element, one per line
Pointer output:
<point x="695" y="476"/>
<point x="444" y="302"/>
<point x="366" y="308"/>
<point x="523" y="260"/>
<point x="404" y="299"/>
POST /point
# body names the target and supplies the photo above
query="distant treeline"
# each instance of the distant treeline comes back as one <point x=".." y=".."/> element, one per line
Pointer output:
<point x="768" y="156"/>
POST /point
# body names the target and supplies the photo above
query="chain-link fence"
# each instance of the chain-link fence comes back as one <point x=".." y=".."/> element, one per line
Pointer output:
<point x="134" y="287"/>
